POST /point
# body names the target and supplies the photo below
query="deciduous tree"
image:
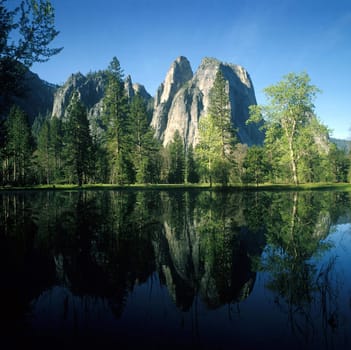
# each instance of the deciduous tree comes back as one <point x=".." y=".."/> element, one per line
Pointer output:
<point x="289" y="110"/>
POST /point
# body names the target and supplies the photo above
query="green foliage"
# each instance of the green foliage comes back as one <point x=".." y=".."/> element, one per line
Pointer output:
<point x="176" y="170"/>
<point x="18" y="149"/>
<point x="78" y="141"/>
<point x="296" y="228"/>
<point x="256" y="166"/>
<point x="144" y="148"/>
<point x="292" y="129"/>
<point x="219" y="109"/>
<point x="115" y="119"/>
<point x="239" y="155"/>
<point x="339" y="162"/>
<point x="209" y="146"/>
<point x="191" y="167"/>
<point x="217" y="139"/>
<point x="49" y="152"/>
<point x="25" y="37"/>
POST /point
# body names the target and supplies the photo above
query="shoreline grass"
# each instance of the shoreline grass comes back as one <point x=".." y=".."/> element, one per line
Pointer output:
<point x="346" y="187"/>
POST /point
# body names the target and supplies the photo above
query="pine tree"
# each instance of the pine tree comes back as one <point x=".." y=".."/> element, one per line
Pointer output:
<point x="255" y="165"/>
<point x="19" y="147"/>
<point x="219" y="109"/>
<point x="45" y="153"/>
<point x="144" y="148"/>
<point x="217" y="139"/>
<point x="192" y="175"/>
<point x="78" y="140"/>
<point x="56" y="138"/>
<point x="115" y="120"/>
<point x="177" y="159"/>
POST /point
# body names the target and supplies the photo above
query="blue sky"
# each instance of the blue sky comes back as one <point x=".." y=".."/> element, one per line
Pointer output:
<point x="270" y="38"/>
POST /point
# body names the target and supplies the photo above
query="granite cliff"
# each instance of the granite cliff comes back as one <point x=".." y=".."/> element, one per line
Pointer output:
<point x="183" y="99"/>
<point x="91" y="89"/>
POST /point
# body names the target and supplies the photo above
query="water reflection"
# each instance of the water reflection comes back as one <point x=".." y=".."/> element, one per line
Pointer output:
<point x="211" y="266"/>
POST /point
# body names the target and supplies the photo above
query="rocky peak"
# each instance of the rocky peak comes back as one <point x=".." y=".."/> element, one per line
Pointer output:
<point x="178" y="74"/>
<point x="191" y="102"/>
<point x="90" y="88"/>
<point x="128" y="86"/>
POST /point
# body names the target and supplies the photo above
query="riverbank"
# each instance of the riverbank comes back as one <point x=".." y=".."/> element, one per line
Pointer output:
<point x="216" y="187"/>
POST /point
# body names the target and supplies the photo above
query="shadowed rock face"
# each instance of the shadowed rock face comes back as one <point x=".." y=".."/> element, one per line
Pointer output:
<point x="179" y="106"/>
<point x="91" y="89"/>
<point x="37" y="97"/>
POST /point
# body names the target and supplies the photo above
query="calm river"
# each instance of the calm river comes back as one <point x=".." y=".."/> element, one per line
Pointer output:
<point x="176" y="269"/>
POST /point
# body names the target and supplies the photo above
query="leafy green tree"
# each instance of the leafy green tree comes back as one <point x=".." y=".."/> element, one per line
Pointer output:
<point x="115" y="118"/>
<point x="239" y="154"/>
<point x="78" y="141"/>
<point x="209" y="146"/>
<point x="289" y="111"/>
<point x="26" y="33"/>
<point x="177" y="159"/>
<point x="19" y="147"/>
<point x="339" y="162"/>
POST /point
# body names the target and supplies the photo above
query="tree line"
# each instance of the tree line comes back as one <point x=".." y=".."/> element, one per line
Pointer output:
<point x="296" y="147"/>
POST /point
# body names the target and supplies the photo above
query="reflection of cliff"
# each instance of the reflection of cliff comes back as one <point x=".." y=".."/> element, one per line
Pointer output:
<point x="207" y="251"/>
<point x="103" y="244"/>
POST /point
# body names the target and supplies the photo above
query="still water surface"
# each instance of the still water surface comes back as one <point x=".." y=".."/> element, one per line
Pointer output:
<point x="182" y="269"/>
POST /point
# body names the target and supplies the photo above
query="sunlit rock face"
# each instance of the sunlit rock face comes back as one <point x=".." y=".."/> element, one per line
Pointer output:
<point x="179" y="73"/>
<point x="196" y="257"/>
<point x="180" y="105"/>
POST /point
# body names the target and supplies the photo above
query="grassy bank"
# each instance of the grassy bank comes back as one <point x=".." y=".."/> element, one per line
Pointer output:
<point x="216" y="187"/>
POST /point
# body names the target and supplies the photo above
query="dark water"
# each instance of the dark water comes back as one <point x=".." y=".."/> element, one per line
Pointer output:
<point x="176" y="269"/>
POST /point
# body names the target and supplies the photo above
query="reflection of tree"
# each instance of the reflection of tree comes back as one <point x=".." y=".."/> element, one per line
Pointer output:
<point x="102" y="248"/>
<point x="25" y="269"/>
<point x="296" y="227"/>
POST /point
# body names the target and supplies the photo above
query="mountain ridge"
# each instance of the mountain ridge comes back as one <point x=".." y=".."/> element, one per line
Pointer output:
<point x="179" y="102"/>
